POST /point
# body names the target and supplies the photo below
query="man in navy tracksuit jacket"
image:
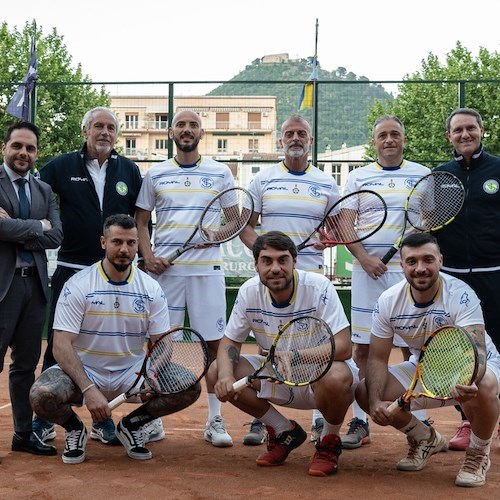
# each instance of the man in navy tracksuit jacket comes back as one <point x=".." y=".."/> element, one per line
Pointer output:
<point x="91" y="184"/>
<point x="471" y="243"/>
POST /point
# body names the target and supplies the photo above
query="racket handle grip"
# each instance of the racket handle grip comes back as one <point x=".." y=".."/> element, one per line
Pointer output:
<point x="240" y="384"/>
<point x="114" y="403"/>
<point x="389" y="255"/>
<point x="395" y="407"/>
<point x="170" y="258"/>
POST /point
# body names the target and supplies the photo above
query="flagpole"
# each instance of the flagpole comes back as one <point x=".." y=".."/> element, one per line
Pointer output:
<point x="315" y="102"/>
<point x="32" y="103"/>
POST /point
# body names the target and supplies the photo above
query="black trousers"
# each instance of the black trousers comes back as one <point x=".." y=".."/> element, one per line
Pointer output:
<point x="22" y="316"/>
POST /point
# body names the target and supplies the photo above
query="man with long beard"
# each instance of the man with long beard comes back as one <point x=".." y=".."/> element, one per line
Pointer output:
<point x="178" y="190"/>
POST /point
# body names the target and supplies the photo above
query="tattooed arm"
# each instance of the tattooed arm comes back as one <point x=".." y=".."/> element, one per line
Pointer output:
<point x="228" y="357"/>
<point x="69" y="361"/>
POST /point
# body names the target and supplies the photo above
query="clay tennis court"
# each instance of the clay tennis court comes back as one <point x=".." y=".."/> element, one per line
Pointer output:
<point x="184" y="466"/>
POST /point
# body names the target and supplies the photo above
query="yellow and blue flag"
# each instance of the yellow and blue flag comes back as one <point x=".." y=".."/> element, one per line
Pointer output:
<point x="306" y="99"/>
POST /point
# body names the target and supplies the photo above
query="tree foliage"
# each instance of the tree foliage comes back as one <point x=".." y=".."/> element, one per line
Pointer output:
<point x="60" y="103"/>
<point x="344" y="98"/>
<point x="424" y="107"/>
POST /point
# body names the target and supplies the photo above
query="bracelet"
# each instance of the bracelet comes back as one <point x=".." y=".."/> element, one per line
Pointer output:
<point x="87" y="388"/>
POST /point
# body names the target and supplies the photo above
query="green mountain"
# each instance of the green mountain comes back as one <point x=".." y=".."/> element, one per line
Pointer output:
<point x="343" y="98"/>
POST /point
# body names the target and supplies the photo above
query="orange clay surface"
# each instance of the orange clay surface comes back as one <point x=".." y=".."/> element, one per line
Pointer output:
<point x="184" y="466"/>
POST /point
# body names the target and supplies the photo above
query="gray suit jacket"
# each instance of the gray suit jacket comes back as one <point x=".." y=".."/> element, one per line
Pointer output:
<point x="15" y="230"/>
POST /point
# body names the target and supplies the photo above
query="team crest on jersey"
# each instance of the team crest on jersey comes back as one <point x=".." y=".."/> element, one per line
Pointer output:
<point x="391" y="184"/>
<point x="296" y="190"/>
<point x="121" y="188"/>
<point x="440" y="321"/>
<point x="221" y="324"/>
<point x="409" y="183"/>
<point x="206" y="182"/>
<point x="490" y="186"/>
<point x="314" y="191"/>
<point x="139" y="306"/>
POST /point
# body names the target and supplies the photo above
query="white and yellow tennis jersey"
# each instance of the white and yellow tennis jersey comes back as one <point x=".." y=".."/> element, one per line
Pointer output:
<point x="454" y="304"/>
<point x="394" y="185"/>
<point x="294" y="203"/>
<point x="111" y="320"/>
<point x="313" y="294"/>
<point x="179" y="194"/>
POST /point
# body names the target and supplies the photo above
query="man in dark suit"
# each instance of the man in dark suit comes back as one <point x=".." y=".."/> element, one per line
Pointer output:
<point x="29" y="224"/>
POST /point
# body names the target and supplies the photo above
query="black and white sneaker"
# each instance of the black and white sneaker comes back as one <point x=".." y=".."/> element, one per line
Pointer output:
<point x="74" y="448"/>
<point x="133" y="441"/>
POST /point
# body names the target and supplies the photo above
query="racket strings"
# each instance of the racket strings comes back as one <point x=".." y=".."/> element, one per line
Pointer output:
<point x="226" y="216"/>
<point x="449" y="359"/>
<point x="176" y="365"/>
<point x="358" y="216"/>
<point x="304" y="351"/>
<point x="434" y="201"/>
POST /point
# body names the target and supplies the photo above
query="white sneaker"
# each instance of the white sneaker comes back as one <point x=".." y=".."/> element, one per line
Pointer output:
<point x="420" y="451"/>
<point x="153" y="431"/>
<point x="215" y="433"/>
<point x="474" y="469"/>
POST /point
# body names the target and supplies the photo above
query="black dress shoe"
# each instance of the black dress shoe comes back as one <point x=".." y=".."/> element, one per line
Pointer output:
<point x="32" y="445"/>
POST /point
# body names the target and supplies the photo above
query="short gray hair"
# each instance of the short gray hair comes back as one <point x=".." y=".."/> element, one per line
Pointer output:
<point x="87" y="118"/>
<point x="384" y="118"/>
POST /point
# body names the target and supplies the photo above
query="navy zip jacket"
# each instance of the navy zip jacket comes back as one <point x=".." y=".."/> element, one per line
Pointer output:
<point x="472" y="240"/>
<point x="81" y="215"/>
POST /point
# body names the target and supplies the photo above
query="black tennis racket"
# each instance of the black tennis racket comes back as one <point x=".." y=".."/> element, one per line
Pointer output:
<point x="448" y="357"/>
<point x="223" y="219"/>
<point x="433" y="203"/>
<point x="170" y="366"/>
<point x="353" y="218"/>
<point x="302" y="352"/>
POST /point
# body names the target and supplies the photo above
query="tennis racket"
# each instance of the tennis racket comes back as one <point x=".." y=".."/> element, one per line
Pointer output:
<point x="170" y="366"/>
<point x="433" y="202"/>
<point x="353" y="218"/>
<point x="301" y="353"/>
<point x="222" y="219"/>
<point x="448" y="357"/>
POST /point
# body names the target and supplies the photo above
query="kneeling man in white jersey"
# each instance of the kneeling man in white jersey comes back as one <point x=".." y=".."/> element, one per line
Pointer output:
<point x="103" y="318"/>
<point x="414" y="308"/>
<point x="277" y="295"/>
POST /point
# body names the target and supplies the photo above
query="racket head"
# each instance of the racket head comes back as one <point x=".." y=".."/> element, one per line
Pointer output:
<point x="303" y="351"/>
<point x="434" y="201"/>
<point x="448" y="357"/>
<point x="226" y="216"/>
<point x="354" y="218"/>
<point x="177" y="361"/>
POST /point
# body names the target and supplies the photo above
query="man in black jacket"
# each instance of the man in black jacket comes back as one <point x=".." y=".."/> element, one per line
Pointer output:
<point x="471" y="243"/>
<point x="91" y="185"/>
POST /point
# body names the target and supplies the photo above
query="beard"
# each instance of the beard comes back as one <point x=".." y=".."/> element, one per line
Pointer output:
<point x="121" y="267"/>
<point x="296" y="153"/>
<point x="186" y="148"/>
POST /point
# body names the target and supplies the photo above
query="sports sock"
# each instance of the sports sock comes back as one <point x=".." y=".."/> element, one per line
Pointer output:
<point x="358" y="412"/>
<point x="214" y="406"/>
<point x="273" y="418"/>
<point x="416" y="429"/>
<point x="482" y="445"/>
<point x="330" y="429"/>
<point x="316" y="414"/>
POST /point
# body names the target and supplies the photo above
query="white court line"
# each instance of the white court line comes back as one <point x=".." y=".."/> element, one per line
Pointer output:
<point x="5" y="406"/>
